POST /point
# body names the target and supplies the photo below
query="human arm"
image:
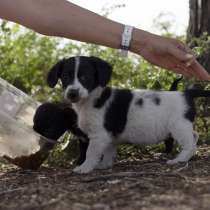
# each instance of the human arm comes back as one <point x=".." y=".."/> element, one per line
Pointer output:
<point x="64" y="19"/>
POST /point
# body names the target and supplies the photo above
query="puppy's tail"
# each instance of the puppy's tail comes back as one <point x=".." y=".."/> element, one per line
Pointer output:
<point x="195" y="93"/>
<point x="175" y="84"/>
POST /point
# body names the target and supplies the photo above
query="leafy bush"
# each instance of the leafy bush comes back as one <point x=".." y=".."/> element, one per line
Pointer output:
<point x="26" y="57"/>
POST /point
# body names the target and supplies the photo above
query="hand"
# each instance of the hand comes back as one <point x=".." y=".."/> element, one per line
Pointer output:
<point x="168" y="53"/>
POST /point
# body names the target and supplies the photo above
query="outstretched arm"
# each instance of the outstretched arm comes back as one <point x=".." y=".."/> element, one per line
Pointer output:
<point x="64" y="19"/>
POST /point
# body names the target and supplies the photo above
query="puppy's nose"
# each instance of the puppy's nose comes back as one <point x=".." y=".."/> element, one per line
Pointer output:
<point x="73" y="94"/>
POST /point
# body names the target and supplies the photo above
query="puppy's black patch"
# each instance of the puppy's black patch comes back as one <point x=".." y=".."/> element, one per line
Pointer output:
<point x="93" y="72"/>
<point x="103" y="98"/>
<point x="87" y="74"/>
<point x="156" y="100"/>
<point x="189" y="96"/>
<point x="83" y="146"/>
<point x="68" y="72"/>
<point x="103" y="69"/>
<point x="169" y="144"/>
<point x="63" y="70"/>
<point x="191" y="111"/>
<point x="154" y="97"/>
<point x="55" y="73"/>
<point x="116" y="114"/>
<point x="140" y="102"/>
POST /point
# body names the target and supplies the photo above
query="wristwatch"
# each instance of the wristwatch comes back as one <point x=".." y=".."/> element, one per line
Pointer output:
<point x="126" y="40"/>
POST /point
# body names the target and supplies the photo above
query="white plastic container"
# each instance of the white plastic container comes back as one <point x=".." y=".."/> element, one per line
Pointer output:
<point x="17" y="138"/>
<point x="16" y="104"/>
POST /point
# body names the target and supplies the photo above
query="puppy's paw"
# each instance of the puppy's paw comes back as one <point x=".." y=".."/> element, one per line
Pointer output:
<point x="176" y="161"/>
<point x="172" y="162"/>
<point x="102" y="166"/>
<point x="82" y="169"/>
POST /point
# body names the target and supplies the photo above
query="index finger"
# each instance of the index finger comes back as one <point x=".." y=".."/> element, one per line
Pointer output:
<point x="198" y="71"/>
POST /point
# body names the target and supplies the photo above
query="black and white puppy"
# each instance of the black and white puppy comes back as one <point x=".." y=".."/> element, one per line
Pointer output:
<point x="110" y="116"/>
<point x="52" y="120"/>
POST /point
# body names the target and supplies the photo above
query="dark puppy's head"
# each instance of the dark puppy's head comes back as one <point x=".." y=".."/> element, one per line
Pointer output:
<point x="80" y="75"/>
<point x="53" y="120"/>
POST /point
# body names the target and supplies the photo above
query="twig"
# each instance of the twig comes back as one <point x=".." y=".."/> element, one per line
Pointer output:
<point x="176" y="174"/>
<point x="118" y="175"/>
<point x="132" y="175"/>
<point x="11" y="190"/>
<point x="182" y="168"/>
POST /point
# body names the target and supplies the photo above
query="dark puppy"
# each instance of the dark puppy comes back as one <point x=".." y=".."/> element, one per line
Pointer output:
<point x="52" y="120"/>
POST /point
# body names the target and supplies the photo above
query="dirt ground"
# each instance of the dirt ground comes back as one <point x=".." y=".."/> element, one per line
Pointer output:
<point x="147" y="184"/>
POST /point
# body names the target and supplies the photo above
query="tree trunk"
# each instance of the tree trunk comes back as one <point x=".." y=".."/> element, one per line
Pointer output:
<point x="199" y="23"/>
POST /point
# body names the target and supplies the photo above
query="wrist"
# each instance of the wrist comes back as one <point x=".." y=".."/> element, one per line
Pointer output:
<point x="139" y="41"/>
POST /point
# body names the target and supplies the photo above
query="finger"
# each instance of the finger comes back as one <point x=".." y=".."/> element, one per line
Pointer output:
<point x="185" y="48"/>
<point x="198" y="71"/>
<point x="181" y="55"/>
<point x="189" y="73"/>
<point x="182" y="70"/>
<point x="193" y="73"/>
<point x="190" y="62"/>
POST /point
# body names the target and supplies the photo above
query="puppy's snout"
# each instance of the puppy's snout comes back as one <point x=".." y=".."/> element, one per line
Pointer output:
<point x="73" y="95"/>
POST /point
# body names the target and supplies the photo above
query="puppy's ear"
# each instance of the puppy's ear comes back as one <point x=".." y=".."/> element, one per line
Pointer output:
<point x="55" y="73"/>
<point x="104" y="70"/>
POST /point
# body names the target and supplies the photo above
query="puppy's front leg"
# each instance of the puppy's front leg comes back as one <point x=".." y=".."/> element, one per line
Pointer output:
<point x="95" y="150"/>
<point x="109" y="156"/>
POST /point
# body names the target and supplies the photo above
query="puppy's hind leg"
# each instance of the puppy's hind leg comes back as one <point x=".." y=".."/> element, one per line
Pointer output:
<point x="96" y="148"/>
<point x="187" y="139"/>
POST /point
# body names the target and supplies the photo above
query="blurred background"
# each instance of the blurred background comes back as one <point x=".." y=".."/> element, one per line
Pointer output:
<point x="143" y="13"/>
<point x="26" y="57"/>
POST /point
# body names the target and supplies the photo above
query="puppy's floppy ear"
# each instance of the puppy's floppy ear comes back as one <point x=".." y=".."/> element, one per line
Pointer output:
<point x="104" y="70"/>
<point x="55" y="73"/>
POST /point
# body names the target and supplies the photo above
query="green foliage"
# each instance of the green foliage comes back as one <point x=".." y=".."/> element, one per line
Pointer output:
<point x="200" y="44"/>
<point x="64" y="154"/>
<point x="26" y="57"/>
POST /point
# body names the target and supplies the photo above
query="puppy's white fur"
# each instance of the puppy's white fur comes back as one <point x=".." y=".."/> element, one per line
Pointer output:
<point x="149" y="124"/>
